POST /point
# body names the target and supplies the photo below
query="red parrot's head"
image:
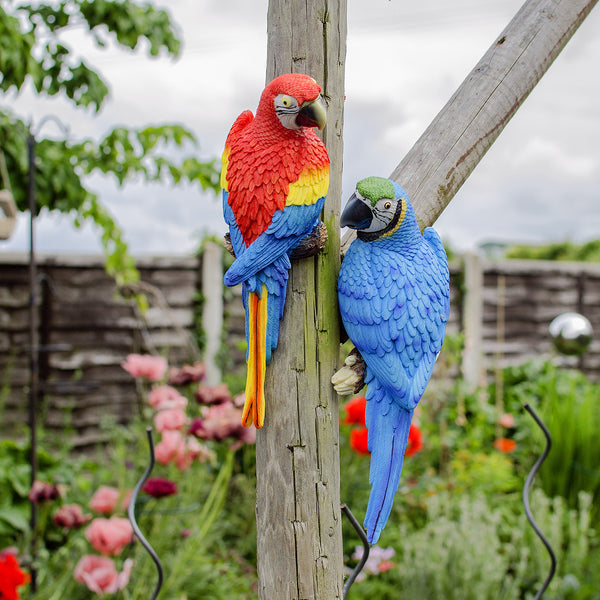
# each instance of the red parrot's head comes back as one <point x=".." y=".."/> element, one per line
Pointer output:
<point x="295" y="100"/>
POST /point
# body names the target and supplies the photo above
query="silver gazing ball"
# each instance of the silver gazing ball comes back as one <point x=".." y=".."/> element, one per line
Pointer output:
<point x="571" y="333"/>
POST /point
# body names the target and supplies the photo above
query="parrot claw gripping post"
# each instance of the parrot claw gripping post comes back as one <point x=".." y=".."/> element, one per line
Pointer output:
<point x="350" y="379"/>
<point x="275" y="178"/>
<point x="393" y="291"/>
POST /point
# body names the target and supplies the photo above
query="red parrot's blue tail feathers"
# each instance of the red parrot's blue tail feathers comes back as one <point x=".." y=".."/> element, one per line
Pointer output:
<point x="264" y="298"/>
<point x="388" y="426"/>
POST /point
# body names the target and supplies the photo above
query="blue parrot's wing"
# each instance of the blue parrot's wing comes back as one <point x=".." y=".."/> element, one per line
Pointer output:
<point x="284" y="233"/>
<point x="432" y="238"/>
<point x="395" y="313"/>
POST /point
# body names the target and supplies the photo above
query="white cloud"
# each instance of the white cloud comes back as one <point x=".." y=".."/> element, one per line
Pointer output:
<point x="548" y="158"/>
<point x="404" y="61"/>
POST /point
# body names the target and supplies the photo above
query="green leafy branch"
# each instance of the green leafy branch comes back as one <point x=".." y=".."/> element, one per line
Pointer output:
<point x="32" y="49"/>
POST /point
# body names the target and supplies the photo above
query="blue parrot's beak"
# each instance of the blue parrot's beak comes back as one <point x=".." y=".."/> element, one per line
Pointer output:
<point x="312" y="114"/>
<point x="357" y="214"/>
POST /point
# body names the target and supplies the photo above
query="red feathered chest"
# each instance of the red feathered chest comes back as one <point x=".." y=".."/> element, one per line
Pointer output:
<point x="261" y="164"/>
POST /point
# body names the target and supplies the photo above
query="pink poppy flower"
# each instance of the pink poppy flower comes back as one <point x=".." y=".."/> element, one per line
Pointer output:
<point x="507" y="420"/>
<point x="221" y="421"/>
<point x="70" y="516"/>
<point x="187" y="374"/>
<point x="167" y="449"/>
<point x="217" y="394"/>
<point x="192" y="450"/>
<point x="100" y="575"/>
<point x="105" y="499"/>
<point x="126" y="499"/>
<point x="109" y="536"/>
<point x="152" y="368"/>
<point x="169" y="419"/>
<point x="165" y="396"/>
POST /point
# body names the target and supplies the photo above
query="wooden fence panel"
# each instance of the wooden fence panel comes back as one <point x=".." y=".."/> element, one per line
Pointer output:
<point x="79" y="309"/>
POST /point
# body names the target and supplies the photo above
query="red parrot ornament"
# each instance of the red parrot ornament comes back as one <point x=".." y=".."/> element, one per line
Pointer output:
<point x="275" y="178"/>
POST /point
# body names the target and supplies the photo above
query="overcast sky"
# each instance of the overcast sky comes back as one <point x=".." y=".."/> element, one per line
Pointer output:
<point x="539" y="182"/>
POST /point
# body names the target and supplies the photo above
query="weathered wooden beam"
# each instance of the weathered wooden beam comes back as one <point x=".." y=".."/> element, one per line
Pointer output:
<point x="212" y="313"/>
<point x="299" y="542"/>
<point x="464" y="130"/>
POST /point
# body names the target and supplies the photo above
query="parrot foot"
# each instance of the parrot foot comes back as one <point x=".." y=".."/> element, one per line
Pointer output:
<point x="312" y="244"/>
<point x="309" y="245"/>
<point x="351" y="377"/>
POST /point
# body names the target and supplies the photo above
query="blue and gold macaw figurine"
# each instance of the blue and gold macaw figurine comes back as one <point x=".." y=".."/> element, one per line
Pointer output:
<point x="393" y="290"/>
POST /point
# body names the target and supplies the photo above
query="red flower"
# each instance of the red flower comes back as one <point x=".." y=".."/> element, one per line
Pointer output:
<point x="70" y="516"/>
<point x="505" y="445"/>
<point x="355" y="411"/>
<point x="158" y="487"/>
<point x="386" y="565"/>
<point x="359" y="440"/>
<point x="415" y="441"/>
<point x="11" y="577"/>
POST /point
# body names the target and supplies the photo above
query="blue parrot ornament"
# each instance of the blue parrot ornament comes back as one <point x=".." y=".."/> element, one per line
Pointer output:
<point x="393" y="290"/>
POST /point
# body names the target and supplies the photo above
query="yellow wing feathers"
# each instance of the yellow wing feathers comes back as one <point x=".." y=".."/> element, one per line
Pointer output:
<point x="311" y="185"/>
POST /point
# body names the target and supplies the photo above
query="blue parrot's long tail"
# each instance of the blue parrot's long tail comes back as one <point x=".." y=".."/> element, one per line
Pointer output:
<point x="264" y="299"/>
<point x="388" y="426"/>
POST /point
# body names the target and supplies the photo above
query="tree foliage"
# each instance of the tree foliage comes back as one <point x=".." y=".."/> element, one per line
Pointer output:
<point x="33" y="51"/>
<point x="563" y="251"/>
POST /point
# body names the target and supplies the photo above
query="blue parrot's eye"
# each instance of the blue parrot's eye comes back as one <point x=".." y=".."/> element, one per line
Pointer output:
<point x="387" y="205"/>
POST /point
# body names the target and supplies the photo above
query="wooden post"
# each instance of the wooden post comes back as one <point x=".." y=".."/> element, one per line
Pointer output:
<point x="299" y="542"/>
<point x="464" y="130"/>
<point x="212" y="312"/>
<point x="472" y="321"/>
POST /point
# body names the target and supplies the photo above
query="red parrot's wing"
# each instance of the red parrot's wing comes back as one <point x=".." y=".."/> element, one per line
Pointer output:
<point x="238" y="126"/>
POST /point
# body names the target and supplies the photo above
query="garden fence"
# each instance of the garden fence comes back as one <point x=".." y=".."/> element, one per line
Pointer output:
<point x="85" y="329"/>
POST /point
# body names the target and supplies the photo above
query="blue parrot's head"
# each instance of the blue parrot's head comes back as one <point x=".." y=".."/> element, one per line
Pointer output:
<point x="377" y="208"/>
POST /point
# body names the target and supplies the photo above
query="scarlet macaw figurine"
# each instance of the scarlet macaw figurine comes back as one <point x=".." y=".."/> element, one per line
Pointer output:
<point x="275" y="178"/>
<point x="393" y="291"/>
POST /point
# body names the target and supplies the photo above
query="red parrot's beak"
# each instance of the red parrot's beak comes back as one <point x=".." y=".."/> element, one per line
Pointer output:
<point x="312" y="114"/>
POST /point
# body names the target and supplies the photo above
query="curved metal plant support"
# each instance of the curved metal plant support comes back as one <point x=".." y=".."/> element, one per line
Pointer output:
<point x="530" y="477"/>
<point x="367" y="548"/>
<point x="132" y="520"/>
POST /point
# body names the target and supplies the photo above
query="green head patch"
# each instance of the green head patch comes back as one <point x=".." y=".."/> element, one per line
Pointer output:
<point x="375" y="188"/>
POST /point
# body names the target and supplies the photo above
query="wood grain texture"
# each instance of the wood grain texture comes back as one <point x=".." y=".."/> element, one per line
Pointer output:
<point x="464" y="130"/>
<point x="298" y="506"/>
